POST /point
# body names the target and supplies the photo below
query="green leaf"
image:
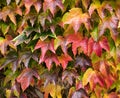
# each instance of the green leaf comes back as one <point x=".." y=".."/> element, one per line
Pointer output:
<point x="5" y="28"/>
<point x="94" y="33"/>
<point x="20" y="39"/>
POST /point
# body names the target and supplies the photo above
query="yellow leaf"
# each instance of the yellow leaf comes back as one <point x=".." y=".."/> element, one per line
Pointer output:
<point x="56" y="91"/>
<point x="93" y="95"/>
<point x="87" y="76"/>
<point x="106" y="96"/>
<point x="12" y="18"/>
<point x="8" y="93"/>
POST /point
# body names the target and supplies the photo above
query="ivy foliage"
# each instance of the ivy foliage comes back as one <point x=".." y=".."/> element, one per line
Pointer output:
<point x="60" y="48"/>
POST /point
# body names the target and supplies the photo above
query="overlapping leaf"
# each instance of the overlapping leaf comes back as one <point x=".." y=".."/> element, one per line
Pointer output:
<point x="52" y="5"/>
<point x="69" y="76"/>
<point x="26" y="78"/>
<point x="64" y="59"/>
<point x="11" y="12"/>
<point x="44" y="46"/>
<point x="49" y="59"/>
<point x="92" y="77"/>
<point x="76" y="17"/>
<point x="111" y="23"/>
<point x="4" y="42"/>
<point x="96" y="5"/>
<point x="36" y="3"/>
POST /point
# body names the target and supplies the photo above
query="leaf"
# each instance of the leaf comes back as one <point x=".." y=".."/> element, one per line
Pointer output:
<point x="80" y="94"/>
<point x="8" y="2"/>
<point x="111" y="23"/>
<point x="76" y="17"/>
<point x="97" y="49"/>
<point x="5" y="28"/>
<point x="17" y="1"/>
<point x="50" y="77"/>
<point x="84" y="45"/>
<point x="11" y="58"/>
<point x="23" y="95"/>
<point x="49" y="59"/>
<point x="111" y="95"/>
<point x="20" y="39"/>
<point x="30" y="30"/>
<point x="8" y="93"/>
<point x="86" y="3"/>
<point x="47" y="34"/>
<point x="71" y="90"/>
<point x="87" y="74"/>
<point x="96" y="5"/>
<point x="26" y="78"/>
<point x="61" y="41"/>
<point x="105" y="71"/>
<point x="64" y="59"/>
<point x="44" y="46"/>
<point x="83" y="61"/>
<point x="75" y="39"/>
<point x="51" y="5"/>
<point x="90" y="45"/>
<point x="6" y="42"/>
<point x="10" y="11"/>
<point x="26" y="56"/>
<point x="94" y="34"/>
<point x="93" y="78"/>
<point x="38" y="5"/>
<point x="16" y="89"/>
<point x="55" y="92"/>
<point x="43" y="17"/>
<point x="12" y="17"/>
<point x="104" y="43"/>
<point x="69" y="76"/>
<point x="28" y="4"/>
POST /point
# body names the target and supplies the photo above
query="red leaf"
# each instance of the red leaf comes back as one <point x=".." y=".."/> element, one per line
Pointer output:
<point x="26" y="78"/>
<point x="75" y="39"/>
<point x="51" y="5"/>
<point x="64" y="59"/>
<point x="84" y="45"/>
<point x="90" y="45"/>
<point x="97" y="49"/>
<point x="104" y="43"/>
<point x="28" y="4"/>
<point x="49" y="59"/>
<point x="44" y="46"/>
<point x="37" y="5"/>
<point x="105" y="70"/>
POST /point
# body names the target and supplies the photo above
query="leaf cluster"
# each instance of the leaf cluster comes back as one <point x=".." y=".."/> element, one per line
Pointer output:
<point x="60" y="48"/>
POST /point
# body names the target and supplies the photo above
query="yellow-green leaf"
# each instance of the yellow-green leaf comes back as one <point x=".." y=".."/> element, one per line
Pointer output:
<point x="87" y="76"/>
